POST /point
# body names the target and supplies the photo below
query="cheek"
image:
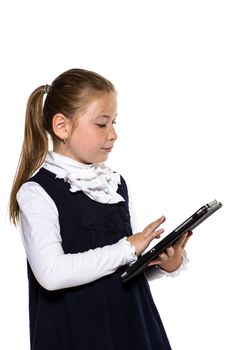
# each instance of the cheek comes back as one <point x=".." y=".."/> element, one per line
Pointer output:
<point x="91" y="139"/>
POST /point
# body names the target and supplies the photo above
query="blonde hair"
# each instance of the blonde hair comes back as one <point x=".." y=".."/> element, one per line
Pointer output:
<point x="69" y="92"/>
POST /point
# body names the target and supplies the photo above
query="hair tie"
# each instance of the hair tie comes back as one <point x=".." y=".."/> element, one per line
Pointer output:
<point x="47" y="88"/>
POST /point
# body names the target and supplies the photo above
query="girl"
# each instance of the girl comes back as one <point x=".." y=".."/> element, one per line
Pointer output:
<point x="75" y="225"/>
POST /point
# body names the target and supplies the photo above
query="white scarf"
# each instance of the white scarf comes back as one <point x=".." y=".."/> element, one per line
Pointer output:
<point x="97" y="181"/>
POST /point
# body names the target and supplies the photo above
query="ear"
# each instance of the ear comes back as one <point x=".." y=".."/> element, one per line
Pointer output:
<point x="61" y="126"/>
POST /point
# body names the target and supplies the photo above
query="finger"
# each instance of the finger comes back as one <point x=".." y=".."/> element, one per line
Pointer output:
<point x="170" y="251"/>
<point x="155" y="224"/>
<point x="163" y="256"/>
<point x="181" y="241"/>
<point x="156" y="261"/>
<point x="188" y="235"/>
<point x="157" y="233"/>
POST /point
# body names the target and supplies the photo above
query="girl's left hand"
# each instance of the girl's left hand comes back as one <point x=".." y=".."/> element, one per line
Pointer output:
<point x="171" y="259"/>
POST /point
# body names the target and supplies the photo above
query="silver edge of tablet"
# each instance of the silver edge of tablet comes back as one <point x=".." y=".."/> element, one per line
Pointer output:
<point x="214" y="204"/>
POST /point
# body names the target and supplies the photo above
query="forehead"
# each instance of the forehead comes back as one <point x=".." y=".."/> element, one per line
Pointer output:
<point x="100" y="106"/>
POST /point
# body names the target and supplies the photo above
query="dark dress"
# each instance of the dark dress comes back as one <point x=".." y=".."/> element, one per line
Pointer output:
<point x="102" y="315"/>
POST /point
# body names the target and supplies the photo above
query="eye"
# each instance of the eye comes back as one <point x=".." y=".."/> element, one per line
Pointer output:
<point x="101" y="125"/>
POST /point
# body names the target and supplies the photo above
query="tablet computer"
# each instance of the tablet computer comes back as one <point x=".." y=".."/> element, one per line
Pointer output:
<point x="188" y="225"/>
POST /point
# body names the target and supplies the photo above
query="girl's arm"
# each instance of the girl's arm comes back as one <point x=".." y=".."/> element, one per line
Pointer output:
<point x="42" y="241"/>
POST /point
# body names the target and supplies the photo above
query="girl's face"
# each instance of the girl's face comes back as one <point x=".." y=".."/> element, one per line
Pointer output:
<point x="94" y="135"/>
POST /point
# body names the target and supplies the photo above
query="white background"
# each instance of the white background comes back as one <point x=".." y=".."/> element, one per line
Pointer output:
<point x="171" y="62"/>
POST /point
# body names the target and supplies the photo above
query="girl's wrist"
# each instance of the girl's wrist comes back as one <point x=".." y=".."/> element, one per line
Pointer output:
<point x="169" y="268"/>
<point x="181" y="267"/>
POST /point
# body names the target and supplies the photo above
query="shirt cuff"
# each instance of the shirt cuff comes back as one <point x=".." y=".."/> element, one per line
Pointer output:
<point x="130" y="251"/>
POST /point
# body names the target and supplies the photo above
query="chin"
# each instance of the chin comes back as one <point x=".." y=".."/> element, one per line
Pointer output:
<point x="101" y="159"/>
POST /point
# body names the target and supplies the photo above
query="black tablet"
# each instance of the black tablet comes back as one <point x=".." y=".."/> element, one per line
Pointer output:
<point x="188" y="225"/>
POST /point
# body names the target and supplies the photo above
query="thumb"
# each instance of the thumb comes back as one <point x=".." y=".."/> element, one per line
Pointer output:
<point x="184" y="239"/>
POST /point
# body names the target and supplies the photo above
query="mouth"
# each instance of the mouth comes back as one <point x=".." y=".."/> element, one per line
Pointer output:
<point x="107" y="149"/>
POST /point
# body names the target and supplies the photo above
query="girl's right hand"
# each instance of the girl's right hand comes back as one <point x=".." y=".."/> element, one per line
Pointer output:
<point x="141" y="240"/>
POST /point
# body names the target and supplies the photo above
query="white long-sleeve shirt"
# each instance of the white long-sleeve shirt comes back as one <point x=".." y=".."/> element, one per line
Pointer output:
<point x="40" y="231"/>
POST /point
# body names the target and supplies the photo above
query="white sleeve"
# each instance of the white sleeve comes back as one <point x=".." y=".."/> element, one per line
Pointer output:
<point x="41" y="237"/>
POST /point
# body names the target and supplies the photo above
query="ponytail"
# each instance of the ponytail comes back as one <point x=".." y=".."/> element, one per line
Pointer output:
<point x="34" y="149"/>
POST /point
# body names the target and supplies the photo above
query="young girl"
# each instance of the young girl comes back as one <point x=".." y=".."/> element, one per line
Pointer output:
<point x="75" y="225"/>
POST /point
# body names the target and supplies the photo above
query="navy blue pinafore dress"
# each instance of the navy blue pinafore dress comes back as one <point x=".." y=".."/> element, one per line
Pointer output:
<point x="102" y="315"/>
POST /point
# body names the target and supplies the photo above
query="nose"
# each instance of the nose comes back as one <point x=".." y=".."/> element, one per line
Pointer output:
<point x="112" y="135"/>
